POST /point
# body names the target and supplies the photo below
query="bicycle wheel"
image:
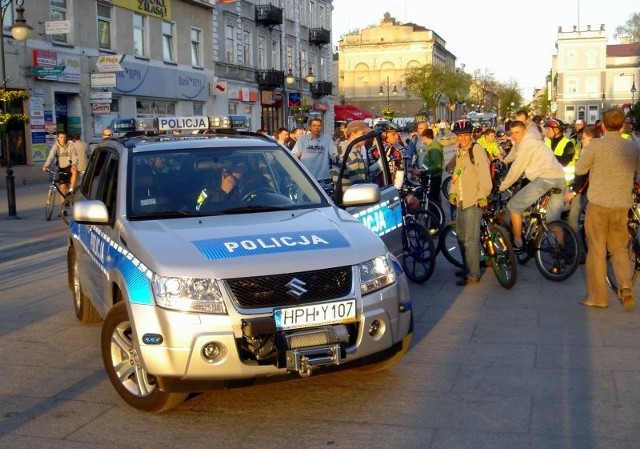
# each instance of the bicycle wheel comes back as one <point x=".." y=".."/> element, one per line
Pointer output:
<point x="557" y="259"/>
<point x="419" y="257"/>
<point x="66" y="211"/>
<point x="428" y="219"/>
<point x="450" y="246"/>
<point x="51" y="202"/>
<point x="503" y="259"/>
<point x="438" y="211"/>
<point x="633" y="247"/>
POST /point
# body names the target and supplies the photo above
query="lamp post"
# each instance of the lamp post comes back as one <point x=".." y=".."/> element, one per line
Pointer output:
<point x="291" y="79"/>
<point x="633" y="92"/>
<point x="20" y="31"/>
<point x="386" y="86"/>
<point x="604" y="97"/>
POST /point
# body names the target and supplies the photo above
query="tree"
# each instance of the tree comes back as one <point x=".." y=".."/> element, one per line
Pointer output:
<point x="434" y="83"/>
<point x="631" y="28"/>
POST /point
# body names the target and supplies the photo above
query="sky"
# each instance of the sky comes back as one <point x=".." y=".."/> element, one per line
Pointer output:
<point x="512" y="40"/>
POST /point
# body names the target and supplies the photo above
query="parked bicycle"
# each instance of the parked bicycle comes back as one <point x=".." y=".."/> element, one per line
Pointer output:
<point x="429" y="205"/>
<point x="554" y="245"/>
<point x="418" y="249"/>
<point x="633" y="246"/>
<point x="495" y="246"/>
<point x="56" y="178"/>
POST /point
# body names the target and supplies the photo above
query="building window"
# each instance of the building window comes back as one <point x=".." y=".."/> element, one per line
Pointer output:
<point x="570" y="114"/>
<point x="229" y="42"/>
<point x="196" y="48"/>
<point x="155" y="108"/>
<point x="572" y="60"/>
<point x="138" y="35"/>
<point x="591" y="83"/>
<point x="572" y="86"/>
<point x="104" y="26"/>
<point x="262" y="56"/>
<point x="275" y="54"/>
<point x="246" y="48"/>
<point x="168" y="42"/>
<point x="591" y="59"/>
<point x="59" y="12"/>
<point x="198" y="108"/>
<point x="233" y="108"/>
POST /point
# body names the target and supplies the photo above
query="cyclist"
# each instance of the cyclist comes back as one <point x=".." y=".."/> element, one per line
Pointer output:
<point x="563" y="148"/>
<point x="390" y="138"/>
<point x="488" y="141"/>
<point x="355" y="170"/>
<point x="470" y="186"/>
<point x="61" y="153"/>
<point x="540" y="166"/>
<point x="433" y="161"/>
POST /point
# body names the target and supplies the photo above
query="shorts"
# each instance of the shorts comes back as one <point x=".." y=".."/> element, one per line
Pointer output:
<point x="64" y="175"/>
<point x="530" y="193"/>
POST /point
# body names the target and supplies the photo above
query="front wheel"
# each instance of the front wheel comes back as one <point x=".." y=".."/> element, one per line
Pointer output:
<point x="51" y="202"/>
<point x="125" y="370"/>
<point x="557" y="251"/>
<point x="503" y="259"/>
<point x="419" y="255"/>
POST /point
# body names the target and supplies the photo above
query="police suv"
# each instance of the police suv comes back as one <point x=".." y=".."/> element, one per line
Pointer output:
<point x="214" y="258"/>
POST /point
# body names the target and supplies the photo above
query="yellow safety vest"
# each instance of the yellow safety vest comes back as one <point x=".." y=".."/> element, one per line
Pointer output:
<point x="570" y="168"/>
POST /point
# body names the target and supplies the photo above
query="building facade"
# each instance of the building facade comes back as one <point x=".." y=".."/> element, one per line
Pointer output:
<point x="89" y="62"/>
<point x="372" y="64"/>
<point x="589" y="75"/>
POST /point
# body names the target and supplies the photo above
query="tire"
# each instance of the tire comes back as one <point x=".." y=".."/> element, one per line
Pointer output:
<point x="51" y="202"/>
<point x="503" y="259"/>
<point x="85" y="312"/>
<point x="66" y="210"/>
<point x="444" y="189"/>
<point x="427" y="219"/>
<point x="633" y="247"/>
<point x="419" y="254"/>
<point x="556" y="262"/>
<point x="125" y="369"/>
<point x="438" y="211"/>
<point x="450" y="246"/>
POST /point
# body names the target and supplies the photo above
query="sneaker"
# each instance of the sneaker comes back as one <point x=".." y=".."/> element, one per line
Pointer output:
<point x="517" y="246"/>
<point x="460" y="272"/>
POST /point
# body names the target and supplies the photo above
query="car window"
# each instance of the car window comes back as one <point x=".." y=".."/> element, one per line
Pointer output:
<point x="192" y="181"/>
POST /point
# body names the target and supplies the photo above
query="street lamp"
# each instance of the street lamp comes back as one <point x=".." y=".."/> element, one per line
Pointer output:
<point x="386" y="86"/>
<point x="291" y="79"/>
<point x="20" y="31"/>
<point x="633" y="92"/>
<point x="604" y="97"/>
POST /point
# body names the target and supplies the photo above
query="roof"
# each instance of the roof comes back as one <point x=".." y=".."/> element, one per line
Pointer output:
<point x="624" y="50"/>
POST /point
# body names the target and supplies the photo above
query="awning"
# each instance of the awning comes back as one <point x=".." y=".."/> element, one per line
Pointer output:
<point x="359" y="112"/>
<point x="342" y="114"/>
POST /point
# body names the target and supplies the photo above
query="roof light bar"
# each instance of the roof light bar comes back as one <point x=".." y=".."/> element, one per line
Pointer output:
<point x="164" y="125"/>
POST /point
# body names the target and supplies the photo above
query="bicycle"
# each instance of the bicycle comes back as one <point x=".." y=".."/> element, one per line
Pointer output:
<point x="495" y="247"/>
<point x="428" y="205"/>
<point x="554" y="245"/>
<point x="56" y="177"/>
<point x="418" y="249"/>
<point x="633" y="247"/>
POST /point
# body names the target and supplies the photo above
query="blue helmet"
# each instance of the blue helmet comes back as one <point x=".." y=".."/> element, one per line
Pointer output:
<point x="462" y="127"/>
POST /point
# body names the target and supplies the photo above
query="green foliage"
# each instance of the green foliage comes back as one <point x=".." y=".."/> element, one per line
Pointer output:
<point x="431" y="83"/>
<point x="13" y="100"/>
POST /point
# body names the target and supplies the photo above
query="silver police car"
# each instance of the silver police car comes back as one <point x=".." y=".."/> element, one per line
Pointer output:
<point x="214" y="258"/>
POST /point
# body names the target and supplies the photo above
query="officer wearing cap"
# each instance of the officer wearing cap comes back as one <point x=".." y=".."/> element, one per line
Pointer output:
<point x="355" y="170"/>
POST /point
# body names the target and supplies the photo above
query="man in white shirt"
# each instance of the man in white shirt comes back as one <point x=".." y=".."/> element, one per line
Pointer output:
<point x="316" y="151"/>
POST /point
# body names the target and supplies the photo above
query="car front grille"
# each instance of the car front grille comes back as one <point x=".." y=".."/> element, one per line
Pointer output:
<point x="276" y="291"/>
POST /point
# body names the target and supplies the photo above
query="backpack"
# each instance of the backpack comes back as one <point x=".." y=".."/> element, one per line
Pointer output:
<point x="492" y="166"/>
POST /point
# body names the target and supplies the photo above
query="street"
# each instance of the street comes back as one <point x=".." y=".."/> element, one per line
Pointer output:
<point x="488" y="368"/>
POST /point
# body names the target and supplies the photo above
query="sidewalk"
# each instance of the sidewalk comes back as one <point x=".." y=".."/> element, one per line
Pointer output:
<point x="30" y="225"/>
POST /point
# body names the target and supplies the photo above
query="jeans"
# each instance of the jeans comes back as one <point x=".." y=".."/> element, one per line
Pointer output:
<point x="468" y="229"/>
<point x="606" y="230"/>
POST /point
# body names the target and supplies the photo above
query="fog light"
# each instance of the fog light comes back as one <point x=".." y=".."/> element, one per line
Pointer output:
<point x="213" y="351"/>
<point x="376" y="328"/>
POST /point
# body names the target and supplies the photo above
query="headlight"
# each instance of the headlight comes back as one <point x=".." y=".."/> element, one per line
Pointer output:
<point x="376" y="273"/>
<point x="188" y="294"/>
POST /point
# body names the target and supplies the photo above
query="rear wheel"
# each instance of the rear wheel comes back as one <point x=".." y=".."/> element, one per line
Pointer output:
<point x="503" y="258"/>
<point x="450" y="245"/>
<point x="427" y="219"/>
<point x="125" y="369"/>
<point x="51" y="202"/>
<point x="557" y="251"/>
<point x="419" y="254"/>
<point x="66" y="211"/>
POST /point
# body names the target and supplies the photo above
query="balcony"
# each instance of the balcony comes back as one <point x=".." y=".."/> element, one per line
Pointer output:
<point x="319" y="36"/>
<point x="321" y="88"/>
<point x="268" y="15"/>
<point x="270" y="78"/>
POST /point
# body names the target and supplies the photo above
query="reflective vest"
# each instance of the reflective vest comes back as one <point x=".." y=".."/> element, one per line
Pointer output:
<point x="570" y="168"/>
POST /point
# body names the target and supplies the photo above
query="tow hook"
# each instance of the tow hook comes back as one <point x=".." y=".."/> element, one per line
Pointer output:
<point x="304" y="360"/>
<point x="305" y="369"/>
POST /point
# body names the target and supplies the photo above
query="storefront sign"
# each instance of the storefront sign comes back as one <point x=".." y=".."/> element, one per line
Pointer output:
<point x="155" y="8"/>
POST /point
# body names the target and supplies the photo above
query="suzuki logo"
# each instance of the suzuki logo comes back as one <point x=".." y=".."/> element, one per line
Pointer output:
<point x="296" y="288"/>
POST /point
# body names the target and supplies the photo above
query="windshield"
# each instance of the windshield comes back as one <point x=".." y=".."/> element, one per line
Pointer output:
<point x="212" y="181"/>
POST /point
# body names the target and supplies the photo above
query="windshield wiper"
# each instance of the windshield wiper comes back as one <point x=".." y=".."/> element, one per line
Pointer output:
<point x="167" y="214"/>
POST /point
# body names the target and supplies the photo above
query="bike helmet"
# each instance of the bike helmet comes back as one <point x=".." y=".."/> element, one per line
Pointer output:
<point x="554" y="123"/>
<point x="385" y="126"/>
<point x="462" y="127"/>
<point x="500" y="133"/>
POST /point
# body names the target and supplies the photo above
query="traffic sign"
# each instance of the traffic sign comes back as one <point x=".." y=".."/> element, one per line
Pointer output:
<point x="103" y="80"/>
<point x="47" y="70"/>
<point x="110" y="63"/>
